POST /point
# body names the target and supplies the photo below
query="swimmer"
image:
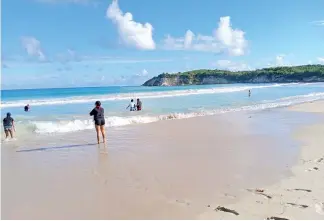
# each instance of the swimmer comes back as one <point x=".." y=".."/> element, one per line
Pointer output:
<point x="139" y="104"/>
<point x="249" y="93"/>
<point x="8" y="125"/>
<point x="132" y="106"/>
<point x="99" y="120"/>
<point x="26" y="108"/>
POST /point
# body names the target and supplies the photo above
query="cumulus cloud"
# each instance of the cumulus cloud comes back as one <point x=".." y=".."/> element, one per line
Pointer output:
<point x="231" y="66"/>
<point x="224" y="39"/>
<point x="33" y="47"/>
<point x="131" y="32"/>
<point x="321" y="60"/>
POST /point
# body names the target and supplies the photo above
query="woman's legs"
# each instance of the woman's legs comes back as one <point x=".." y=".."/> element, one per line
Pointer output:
<point x="98" y="130"/>
<point x="7" y="133"/>
<point x="11" y="133"/>
<point x="103" y="133"/>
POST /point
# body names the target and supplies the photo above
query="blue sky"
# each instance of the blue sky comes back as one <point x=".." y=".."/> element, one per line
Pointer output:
<point x="69" y="43"/>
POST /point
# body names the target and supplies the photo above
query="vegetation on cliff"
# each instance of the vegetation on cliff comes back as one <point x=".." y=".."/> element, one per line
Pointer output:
<point x="304" y="73"/>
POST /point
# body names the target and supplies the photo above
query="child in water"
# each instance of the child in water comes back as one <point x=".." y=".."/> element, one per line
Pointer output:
<point x="132" y="106"/>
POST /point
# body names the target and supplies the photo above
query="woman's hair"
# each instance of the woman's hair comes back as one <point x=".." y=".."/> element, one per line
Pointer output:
<point x="8" y="114"/>
<point x="132" y="100"/>
<point x="98" y="103"/>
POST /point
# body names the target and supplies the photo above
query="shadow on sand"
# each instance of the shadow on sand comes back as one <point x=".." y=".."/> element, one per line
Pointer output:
<point x="59" y="147"/>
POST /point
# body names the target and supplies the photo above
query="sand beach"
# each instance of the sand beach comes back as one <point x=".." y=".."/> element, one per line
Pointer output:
<point x="247" y="165"/>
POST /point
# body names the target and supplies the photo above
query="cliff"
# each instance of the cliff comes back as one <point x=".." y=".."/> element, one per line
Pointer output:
<point x="305" y="73"/>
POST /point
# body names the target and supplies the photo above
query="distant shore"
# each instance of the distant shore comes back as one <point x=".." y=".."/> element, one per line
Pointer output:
<point x="182" y="169"/>
<point x="291" y="74"/>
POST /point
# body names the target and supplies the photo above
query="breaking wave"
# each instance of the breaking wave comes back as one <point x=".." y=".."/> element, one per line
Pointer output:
<point x="64" y="126"/>
<point x="127" y="96"/>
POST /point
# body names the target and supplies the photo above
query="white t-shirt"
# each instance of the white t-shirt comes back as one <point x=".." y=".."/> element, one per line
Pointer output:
<point x="132" y="105"/>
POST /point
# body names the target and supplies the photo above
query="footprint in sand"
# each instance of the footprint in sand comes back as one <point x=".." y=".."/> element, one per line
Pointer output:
<point x="299" y="189"/>
<point x="319" y="160"/>
<point x="319" y="208"/>
<point x="259" y="192"/>
<point x="276" y="218"/>
<point x="297" y="205"/>
<point x="223" y="209"/>
<point x="312" y="169"/>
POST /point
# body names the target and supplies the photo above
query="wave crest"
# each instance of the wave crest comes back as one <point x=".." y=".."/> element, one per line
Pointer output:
<point x="43" y="127"/>
<point x="128" y="96"/>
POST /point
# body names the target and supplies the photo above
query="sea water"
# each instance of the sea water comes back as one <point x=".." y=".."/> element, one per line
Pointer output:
<point x="66" y="110"/>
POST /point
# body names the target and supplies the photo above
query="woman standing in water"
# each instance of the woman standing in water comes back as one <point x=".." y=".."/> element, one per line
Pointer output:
<point x="8" y="125"/>
<point x="98" y="114"/>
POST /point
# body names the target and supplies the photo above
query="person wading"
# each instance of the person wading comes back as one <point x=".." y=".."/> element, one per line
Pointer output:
<point x="8" y="125"/>
<point x="98" y="114"/>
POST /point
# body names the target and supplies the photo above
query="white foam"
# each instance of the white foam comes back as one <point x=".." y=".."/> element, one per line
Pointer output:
<point x="115" y="121"/>
<point x="128" y="96"/>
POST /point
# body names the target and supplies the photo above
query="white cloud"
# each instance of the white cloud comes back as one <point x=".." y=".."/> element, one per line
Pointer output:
<point x="231" y="66"/>
<point x="321" y="60"/>
<point x="319" y="23"/>
<point x="132" y="33"/>
<point x="33" y="47"/>
<point x="224" y="39"/>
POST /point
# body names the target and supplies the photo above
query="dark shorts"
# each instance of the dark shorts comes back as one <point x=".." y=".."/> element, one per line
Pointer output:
<point x="7" y="128"/>
<point x="100" y="122"/>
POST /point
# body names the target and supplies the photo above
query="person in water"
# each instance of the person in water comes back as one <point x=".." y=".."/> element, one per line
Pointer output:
<point x="249" y="93"/>
<point x="132" y="106"/>
<point x="8" y="125"/>
<point x="139" y="104"/>
<point x="98" y="114"/>
<point x="26" y="108"/>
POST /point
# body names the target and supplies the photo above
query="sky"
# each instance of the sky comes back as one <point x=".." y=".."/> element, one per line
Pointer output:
<point x="75" y="43"/>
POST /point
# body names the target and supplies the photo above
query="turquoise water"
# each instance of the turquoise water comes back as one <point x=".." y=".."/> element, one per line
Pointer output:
<point x="67" y="110"/>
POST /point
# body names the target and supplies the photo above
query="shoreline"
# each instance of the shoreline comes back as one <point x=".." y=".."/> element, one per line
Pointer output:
<point x="300" y="196"/>
<point x="176" y="175"/>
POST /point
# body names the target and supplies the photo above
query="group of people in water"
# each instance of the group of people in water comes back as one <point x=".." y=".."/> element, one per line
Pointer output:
<point x="135" y="107"/>
<point x="98" y="114"/>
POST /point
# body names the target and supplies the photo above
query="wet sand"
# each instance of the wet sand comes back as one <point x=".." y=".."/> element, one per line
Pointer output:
<point x="300" y="196"/>
<point x="180" y="169"/>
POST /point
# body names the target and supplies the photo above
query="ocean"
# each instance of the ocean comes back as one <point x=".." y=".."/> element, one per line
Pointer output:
<point x="65" y="110"/>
